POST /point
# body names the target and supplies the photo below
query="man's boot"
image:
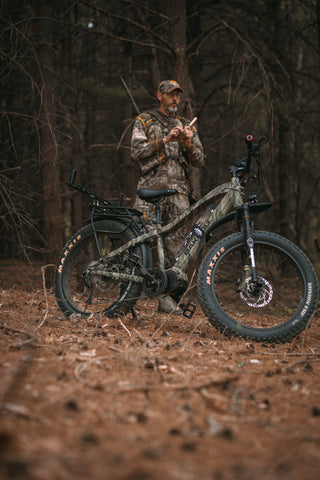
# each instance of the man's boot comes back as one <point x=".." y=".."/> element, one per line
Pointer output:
<point x="166" y="305"/>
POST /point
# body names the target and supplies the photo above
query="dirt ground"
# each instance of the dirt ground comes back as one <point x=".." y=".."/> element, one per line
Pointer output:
<point x="149" y="398"/>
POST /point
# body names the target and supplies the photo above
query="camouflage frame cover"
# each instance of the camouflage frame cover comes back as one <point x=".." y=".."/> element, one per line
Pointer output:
<point x="232" y="198"/>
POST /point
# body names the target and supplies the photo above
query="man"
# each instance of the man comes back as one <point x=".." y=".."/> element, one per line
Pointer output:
<point x="165" y="147"/>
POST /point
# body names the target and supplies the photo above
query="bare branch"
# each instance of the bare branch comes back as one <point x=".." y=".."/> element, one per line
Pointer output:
<point x="133" y="22"/>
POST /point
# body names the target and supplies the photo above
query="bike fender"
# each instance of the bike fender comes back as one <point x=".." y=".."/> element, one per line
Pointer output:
<point x="125" y="221"/>
<point x="225" y="219"/>
<point x="128" y="224"/>
<point x="259" y="207"/>
<point x="253" y="208"/>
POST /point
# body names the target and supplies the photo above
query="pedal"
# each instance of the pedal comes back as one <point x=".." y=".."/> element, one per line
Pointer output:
<point x="188" y="309"/>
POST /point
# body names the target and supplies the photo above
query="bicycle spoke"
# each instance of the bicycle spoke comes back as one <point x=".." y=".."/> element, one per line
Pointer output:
<point x="279" y="299"/>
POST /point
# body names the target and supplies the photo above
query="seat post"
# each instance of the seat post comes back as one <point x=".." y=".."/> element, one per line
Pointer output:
<point x="157" y="209"/>
<point x="158" y="222"/>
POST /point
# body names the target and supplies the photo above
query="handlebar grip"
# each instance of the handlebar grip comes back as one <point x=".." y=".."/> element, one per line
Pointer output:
<point x="249" y="140"/>
<point x="72" y="176"/>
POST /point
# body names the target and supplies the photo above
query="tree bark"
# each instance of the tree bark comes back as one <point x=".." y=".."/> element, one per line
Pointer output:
<point x="177" y="12"/>
<point x="283" y="175"/>
<point x="52" y="224"/>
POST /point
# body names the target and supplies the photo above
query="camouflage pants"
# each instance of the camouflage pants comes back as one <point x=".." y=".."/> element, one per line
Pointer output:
<point x="170" y="207"/>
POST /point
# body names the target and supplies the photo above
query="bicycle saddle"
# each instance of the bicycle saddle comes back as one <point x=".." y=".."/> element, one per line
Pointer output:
<point x="154" y="196"/>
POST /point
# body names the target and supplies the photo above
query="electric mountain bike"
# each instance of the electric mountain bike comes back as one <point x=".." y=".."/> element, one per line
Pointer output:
<point x="252" y="284"/>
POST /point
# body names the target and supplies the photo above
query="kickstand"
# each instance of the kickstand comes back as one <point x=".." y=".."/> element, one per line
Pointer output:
<point x="134" y="315"/>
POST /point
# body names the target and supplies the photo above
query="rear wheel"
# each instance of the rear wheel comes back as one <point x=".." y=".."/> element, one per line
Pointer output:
<point x="277" y="307"/>
<point x="79" y="289"/>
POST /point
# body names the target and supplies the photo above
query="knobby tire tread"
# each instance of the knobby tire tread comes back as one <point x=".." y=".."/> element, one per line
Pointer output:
<point x="117" y="308"/>
<point x="271" y="335"/>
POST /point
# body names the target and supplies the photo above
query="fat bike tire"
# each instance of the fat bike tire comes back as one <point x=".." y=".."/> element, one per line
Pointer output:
<point x="77" y="292"/>
<point x="284" y="305"/>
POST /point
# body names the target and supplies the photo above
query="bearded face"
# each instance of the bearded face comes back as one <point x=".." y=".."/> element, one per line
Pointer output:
<point x="169" y="102"/>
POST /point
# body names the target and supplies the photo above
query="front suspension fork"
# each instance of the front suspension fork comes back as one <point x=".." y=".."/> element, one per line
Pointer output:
<point x="250" y="245"/>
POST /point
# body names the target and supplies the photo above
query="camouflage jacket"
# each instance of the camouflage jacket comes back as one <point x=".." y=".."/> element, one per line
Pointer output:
<point x="163" y="166"/>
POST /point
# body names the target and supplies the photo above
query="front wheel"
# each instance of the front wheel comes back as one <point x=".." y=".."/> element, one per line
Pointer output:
<point x="277" y="307"/>
<point x="78" y="289"/>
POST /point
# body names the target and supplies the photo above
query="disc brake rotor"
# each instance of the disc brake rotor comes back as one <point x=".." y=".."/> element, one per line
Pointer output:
<point x="260" y="301"/>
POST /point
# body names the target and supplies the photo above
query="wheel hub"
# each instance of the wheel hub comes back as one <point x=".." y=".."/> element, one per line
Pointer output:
<point x="102" y="283"/>
<point x="256" y="296"/>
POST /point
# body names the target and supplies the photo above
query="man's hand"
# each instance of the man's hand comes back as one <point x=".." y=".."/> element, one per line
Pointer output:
<point x="173" y="135"/>
<point x="178" y="134"/>
<point x="188" y="134"/>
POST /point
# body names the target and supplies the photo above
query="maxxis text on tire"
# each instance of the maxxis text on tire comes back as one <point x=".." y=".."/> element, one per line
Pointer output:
<point x="286" y="303"/>
<point x="76" y="292"/>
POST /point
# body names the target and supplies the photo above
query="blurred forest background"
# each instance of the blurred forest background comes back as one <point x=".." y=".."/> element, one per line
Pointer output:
<point x="246" y="67"/>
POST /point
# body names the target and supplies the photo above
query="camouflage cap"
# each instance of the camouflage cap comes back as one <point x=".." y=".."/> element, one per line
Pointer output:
<point x="168" y="86"/>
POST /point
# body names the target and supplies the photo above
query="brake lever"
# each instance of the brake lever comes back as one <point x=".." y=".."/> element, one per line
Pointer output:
<point x="262" y="140"/>
<point x="241" y="163"/>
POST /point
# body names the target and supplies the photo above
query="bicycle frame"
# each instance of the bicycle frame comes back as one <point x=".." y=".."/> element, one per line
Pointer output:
<point x="232" y="198"/>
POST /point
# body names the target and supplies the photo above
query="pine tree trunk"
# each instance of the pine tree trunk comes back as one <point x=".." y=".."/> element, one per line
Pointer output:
<point x="283" y="175"/>
<point x="177" y="12"/>
<point x="52" y="224"/>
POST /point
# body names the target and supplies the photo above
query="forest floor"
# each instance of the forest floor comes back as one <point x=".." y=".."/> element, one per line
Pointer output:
<point x="149" y="398"/>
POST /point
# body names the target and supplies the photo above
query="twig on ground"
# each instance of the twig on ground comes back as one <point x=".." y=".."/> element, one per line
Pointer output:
<point x="142" y="340"/>
<point x="189" y="287"/>
<point x="14" y="330"/>
<point x="20" y="343"/>
<point x="43" y="269"/>
<point x="123" y="326"/>
<point x="211" y="383"/>
<point x="86" y="363"/>
<point x="17" y="376"/>
<point x="297" y="354"/>
<point x="307" y="326"/>
<point x="24" y="342"/>
<point x="194" y="330"/>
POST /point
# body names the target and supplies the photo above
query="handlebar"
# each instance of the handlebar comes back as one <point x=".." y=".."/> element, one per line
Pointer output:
<point x="96" y="199"/>
<point x="253" y="148"/>
<point x="72" y="178"/>
<point x="85" y="191"/>
<point x="249" y="140"/>
<point x="244" y="165"/>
